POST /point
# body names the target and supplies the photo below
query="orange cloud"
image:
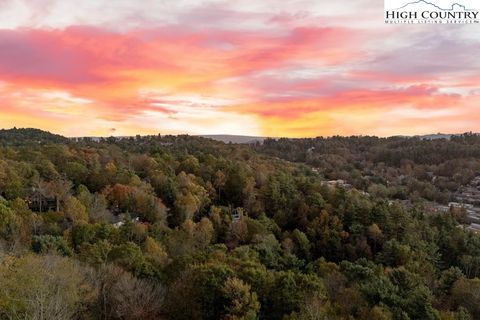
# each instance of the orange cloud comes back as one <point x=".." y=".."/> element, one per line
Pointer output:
<point x="112" y="69"/>
<point x="285" y="80"/>
<point x="420" y="96"/>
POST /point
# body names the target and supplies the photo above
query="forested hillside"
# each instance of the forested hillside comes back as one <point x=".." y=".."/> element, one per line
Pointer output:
<point x="181" y="227"/>
<point x="399" y="168"/>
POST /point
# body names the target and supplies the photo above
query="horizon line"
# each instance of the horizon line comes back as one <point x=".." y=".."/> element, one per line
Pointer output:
<point x="247" y="136"/>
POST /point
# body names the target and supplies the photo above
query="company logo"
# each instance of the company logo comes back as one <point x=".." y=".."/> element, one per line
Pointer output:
<point x="432" y="11"/>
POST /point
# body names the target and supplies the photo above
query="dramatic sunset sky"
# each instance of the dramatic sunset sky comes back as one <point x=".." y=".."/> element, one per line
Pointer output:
<point x="250" y="67"/>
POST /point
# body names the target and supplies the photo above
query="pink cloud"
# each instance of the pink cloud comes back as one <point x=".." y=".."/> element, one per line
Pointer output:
<point x="293" y="66"/>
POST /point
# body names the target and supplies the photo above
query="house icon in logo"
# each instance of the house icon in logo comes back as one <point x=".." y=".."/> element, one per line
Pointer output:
<point x="422" y="3"/>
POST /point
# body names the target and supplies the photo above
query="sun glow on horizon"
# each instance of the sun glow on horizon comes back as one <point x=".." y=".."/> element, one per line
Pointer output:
<point x="222" y="68"/>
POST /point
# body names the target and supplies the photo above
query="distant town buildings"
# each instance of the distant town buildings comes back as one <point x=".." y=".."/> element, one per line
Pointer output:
<point x="469" y="193"/>
<point x="466" y="198"/>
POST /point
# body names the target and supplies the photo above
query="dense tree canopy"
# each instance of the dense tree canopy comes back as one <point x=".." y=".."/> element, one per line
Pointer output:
<point x="181" y="227"/>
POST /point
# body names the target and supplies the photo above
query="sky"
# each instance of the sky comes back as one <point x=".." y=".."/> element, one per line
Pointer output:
<point x="295" y="68"/>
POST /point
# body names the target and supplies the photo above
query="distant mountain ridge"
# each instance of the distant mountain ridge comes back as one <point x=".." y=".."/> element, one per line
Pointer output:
<point x="438" y="136"/>
<point x="33" y="135"/>
<point x="227" y="138"/>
